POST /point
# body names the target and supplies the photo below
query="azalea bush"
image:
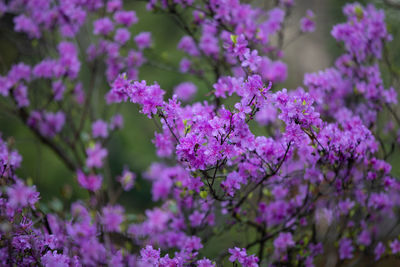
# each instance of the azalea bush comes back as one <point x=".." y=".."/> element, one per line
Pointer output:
<point x="314" y="188"/>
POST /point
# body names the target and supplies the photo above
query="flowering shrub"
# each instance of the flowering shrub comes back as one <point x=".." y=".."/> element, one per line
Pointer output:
<point x="317" y="185"/>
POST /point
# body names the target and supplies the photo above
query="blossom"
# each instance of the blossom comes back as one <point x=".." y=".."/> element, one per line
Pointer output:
<point x="364" y="238"/>
<point x="188" y="45"/>
<point x="143" y="40"/>
<point x="58" y="90"/>
<point x="90" y="182"/>
<point x="215" y="159"/>
<point x="100" y="129"/>
<point x="184" y="65"/>
<point x="307" y="23"/>
<point x="54" y="259"/>
<point x="21" y="196"/>
<point x="209" y="43"/>
<point x="114" y="5"/>
<point x="237" y="254"/>
<point x="122" y="35"/>
<point x="196" y="218"/>
<point x="52" y="123"/>
<point x="127" y="179"/>
<point x="395" y="246"/>
<point x="345" y="249"/>
<point x="252" y="60"/>
<point x="127" y="18"/>
<point x="283" y="241"/>
<point x="21" y="96"/>
<point x="112" y="217"/>
<point x="379" y="250"/>
<point x="103" y="26"/>
<point x="205" y="263"/>
<point x="274" y="71"/>
<point x="96" y="154"/>
<point x="150" y="255"/>
<point x="25" y="24"/>
<point x="185" y="91"/>
<point x="117" y="122"/>
<point x="232" y="182"/>
<point x="157" y="219"/>
<point x="240" y="255"/>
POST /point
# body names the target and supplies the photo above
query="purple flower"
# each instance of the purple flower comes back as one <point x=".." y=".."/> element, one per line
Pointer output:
<point x="237" y="254"/>
<point x="48" y="68"/>
<point x="99" y="129"/>
<point x="205" y="263"/>
<point x="21" y="96"/>
<point x="127" y="179"/>
<point x="126" y="18"/>
<point x="209" y="44"/>
<point x="345" y="249"/>
<point x="69" y="59"/>
<point x="188" y="45"/>
<point x="274" y="71"/>
<point x="25" y="24"/>
<point x="96" y="154"/>
<point x="117" y="122"/>
<point x="364" y="31"/>
<point x="232" y="183"/>
<point x="79" y="94"/>
<point x="242" y="110"/>
<point x="379" y="250"/>
<point x="184" y="65"/>
<point x="283" y="241"/>
<point x="143" y="40"/>
<point x="103" y="26"/>
<point x="157" y="219"/>
<point x="307" y="23"/>
<point x="20" y="195"/>
<point x="150" y="255"/>
<point x="51" y="259"/>
<point x="112" y="217"/>
<point x="164" y="144"/>
<point x="114" y="5"/>
<point x="196" y="218"/>
<point x="185" y="91"/>
<point x="19" y="72"/>
<point x="5" y="86"/>
<point x="91" y="182"/>
<point x="122" y="35"/>
<point x="48" y="124"/>
<point x="240" y="255"/>
<point x="252" y="60"/>
<point x="116" y="259"/>
<point x="239" y="46"/>
<point x="364" y="238"/>
<point x="395" y="246"/>
<point x="58" y="90"/>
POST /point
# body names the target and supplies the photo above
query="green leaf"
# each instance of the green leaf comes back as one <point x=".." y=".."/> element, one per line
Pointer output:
<point x="172" y="207"/>
<point x="359" y="12"/>
<point x="203" y="194"/>
<point x="234" y="38"/>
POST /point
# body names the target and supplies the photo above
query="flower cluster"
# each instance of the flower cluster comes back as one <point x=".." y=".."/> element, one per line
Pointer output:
<point x="304" y="170"/>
